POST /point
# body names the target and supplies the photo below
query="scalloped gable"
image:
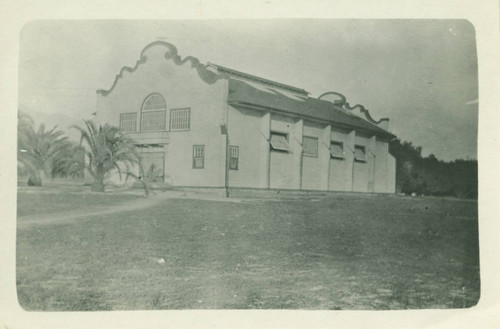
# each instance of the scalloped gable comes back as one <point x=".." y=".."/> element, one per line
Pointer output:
<point x="210" y="77"/>
<point x="359" y="110"/>
<point x="170" y="54"/>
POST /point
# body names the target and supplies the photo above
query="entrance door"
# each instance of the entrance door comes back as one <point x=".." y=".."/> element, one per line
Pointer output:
<point x="154" y="167"/>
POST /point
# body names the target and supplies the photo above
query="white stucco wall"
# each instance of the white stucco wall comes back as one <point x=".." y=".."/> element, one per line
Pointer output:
<point x="285" y="166"/>
<point x="381" y="163"/>
<point x="182" y="87"/>
<point x="340" y="171"/>
<point x="315" y="169"/>
<point x="362" y="169"/>
<point x="245" y="131"/>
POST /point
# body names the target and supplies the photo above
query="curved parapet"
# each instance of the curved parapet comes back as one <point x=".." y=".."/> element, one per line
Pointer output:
<point x="358" y="110"/>
<point x="333" y="97"/>
<point x="171" y="54"/>
<point x="361" y="111"/>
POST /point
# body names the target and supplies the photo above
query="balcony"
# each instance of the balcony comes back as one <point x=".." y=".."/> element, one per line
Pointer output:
<point x="156" y="137"/>
<point x="152" y="127"/>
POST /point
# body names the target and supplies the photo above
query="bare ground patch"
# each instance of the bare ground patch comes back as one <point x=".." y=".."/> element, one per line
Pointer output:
<point x="182" y="252"/>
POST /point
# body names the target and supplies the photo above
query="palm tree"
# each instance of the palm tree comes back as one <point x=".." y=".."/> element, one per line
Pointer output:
<point x="71" y="162"/>
<point x="38" y="149"/>
<point x="107" y="150"/>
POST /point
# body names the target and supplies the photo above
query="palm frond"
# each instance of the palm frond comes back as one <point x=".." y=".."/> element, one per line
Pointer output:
<point x="107" y="150"/>
<point x="41" y="149"/>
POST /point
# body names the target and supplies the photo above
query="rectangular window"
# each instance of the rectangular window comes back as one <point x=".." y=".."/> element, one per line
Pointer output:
<point x="179" y="119"/>
<point x="153" y="121"/>
<point x="310" y="146"/>
<point x="198" y="156"/>
<point x="279" y="142"/>
<point x="234" y="154"/>
<point x="359" y="153"/>
<point x="336" y="150"/>
<point x="128" y="122"/>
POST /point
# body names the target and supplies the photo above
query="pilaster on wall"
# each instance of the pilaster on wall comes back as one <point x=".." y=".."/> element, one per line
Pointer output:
<point x="388" y="175"/>
<point x="372" y="153"/>
<point x="324" y="154"/>
<point x="298" y="132"/>
<point x="391" y="174"/>
<point x="349" y="157"/>
<point x="224" y="120"/>
<point x="264" y="163"/>
<point x="222" y="161"/>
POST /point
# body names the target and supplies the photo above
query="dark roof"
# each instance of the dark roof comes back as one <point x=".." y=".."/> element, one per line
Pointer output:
<point x="243" y="94"/>
<point x="224" y="69"/>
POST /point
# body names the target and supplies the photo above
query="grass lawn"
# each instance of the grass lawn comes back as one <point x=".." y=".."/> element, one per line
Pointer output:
<point x="331" y="252"/>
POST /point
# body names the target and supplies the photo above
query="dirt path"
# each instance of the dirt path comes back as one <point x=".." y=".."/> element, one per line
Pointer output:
<point x="68" y="217"/>
<point x="30" y="221"/>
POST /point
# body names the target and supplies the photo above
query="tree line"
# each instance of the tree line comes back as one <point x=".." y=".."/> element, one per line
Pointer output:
<point x="431" y="176"/>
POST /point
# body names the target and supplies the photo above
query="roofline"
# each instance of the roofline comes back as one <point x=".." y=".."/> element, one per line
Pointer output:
<point x="344" y="105"/>
<point x="256" y="78"/>
<point x="170" y="54"/>
<point x="333" y="123"/>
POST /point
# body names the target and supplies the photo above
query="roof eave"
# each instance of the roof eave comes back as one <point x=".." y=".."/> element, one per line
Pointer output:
<point x="259" y="79"/>
<point x="311" y="118"/>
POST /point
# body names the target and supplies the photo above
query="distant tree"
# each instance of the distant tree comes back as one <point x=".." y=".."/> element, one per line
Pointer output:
<point x="408" y="157"/>
<point x="464" y="178"/>
<point x="107" y="151"/>
<point x="38" y="149"/>
<point x="430" y="176"/>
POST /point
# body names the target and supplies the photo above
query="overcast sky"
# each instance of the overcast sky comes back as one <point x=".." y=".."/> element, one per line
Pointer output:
<point x="421" y="74"/>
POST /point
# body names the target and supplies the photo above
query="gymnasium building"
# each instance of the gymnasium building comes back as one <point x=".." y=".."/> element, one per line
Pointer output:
<point x="206" y="125"/>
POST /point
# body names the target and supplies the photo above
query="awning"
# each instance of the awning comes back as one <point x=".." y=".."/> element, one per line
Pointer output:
<point x="359" y="153"/>
<point x="336" y="150"/>
<point x="279" y="142"/>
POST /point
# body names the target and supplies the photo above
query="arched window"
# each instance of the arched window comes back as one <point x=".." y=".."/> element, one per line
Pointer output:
<point x="154" y="102"/>
<point x="153" y="113"/>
